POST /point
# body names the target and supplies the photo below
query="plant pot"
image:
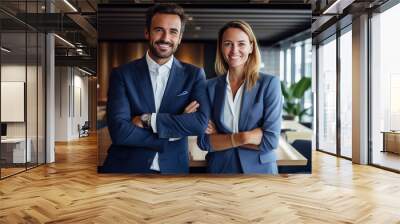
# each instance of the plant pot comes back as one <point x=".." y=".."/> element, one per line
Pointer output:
<point x="288" y="117"/>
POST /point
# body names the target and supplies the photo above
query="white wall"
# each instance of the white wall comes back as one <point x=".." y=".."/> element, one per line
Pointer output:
<point x="71" y="94"/>
<point x="16" y="73"/>
<point x="33" y="126"/>
<point x="62" y="81"/>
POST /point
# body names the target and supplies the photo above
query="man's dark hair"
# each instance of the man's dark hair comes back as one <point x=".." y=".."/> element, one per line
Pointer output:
<point x="165" y="8"/>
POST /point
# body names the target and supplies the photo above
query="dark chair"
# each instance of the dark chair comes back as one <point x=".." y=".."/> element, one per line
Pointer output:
<point x="307" y="124"/>
<point x="304" y="148"/>
<point x="84" y="130"/>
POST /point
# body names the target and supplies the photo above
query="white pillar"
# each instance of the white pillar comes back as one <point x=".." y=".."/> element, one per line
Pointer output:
<point x="50" y="103"/>
<point x="50" y="92"/>
<point x="314" y="95"/>
<point x="63" y="103"/>
<point x="360" y="90"/>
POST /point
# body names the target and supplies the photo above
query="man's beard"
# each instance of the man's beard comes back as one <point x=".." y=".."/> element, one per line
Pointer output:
<point x="159" y="54"/>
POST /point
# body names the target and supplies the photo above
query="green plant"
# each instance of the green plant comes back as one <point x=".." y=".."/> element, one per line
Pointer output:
<point x="292" y="98"/>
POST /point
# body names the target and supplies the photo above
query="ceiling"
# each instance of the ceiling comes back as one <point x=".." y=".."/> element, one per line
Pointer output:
<point x="123" y="20"/>
<point x="270" y="22"/>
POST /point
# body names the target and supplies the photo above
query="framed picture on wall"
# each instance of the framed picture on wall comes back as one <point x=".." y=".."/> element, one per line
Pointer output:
<point x="12" y="101"/>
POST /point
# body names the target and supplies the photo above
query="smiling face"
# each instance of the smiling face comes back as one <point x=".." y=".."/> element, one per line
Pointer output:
<point x="236" y="47"/>
<point x="164" y="36"/>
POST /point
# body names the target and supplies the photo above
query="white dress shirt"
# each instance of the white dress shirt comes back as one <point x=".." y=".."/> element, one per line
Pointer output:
<point x="159" y="75"/>
<point x="232" y="106"/>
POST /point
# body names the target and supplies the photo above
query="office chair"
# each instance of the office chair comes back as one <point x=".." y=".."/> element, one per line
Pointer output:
<point x="84" y="130"/>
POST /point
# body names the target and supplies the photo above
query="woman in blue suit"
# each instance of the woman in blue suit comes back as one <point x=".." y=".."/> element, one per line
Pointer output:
<point x="244" y="107"/>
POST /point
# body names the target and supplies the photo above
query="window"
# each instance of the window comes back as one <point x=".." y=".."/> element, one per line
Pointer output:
<point x="298" y="62"/>
<point x="385" y="85"/>
<point x="308" y="97"/>
<point x="346" y="93"/>
<point x="327" y="96"/>
<point x="308" y="58"/>
<point x="288" y="67"/>
<point x="282" y="65"/>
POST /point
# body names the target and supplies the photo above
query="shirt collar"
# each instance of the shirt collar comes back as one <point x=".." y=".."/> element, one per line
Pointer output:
<point x="154" y="66"/>
<point x="229" y="83"/>
<point x="227" y="78"/>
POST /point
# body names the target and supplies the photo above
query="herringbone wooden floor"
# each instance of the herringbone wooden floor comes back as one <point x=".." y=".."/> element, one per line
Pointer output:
<point x="71" y="191"/>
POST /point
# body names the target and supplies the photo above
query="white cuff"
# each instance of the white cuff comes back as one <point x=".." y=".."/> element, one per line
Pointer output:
<point x="173" y="139"/>
<point x="154" y="122"/>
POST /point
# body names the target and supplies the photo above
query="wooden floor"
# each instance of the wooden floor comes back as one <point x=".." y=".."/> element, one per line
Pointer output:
<point x="386" y="159"/>
<point x="5" y="172"/>
<point x="70" y="191"/>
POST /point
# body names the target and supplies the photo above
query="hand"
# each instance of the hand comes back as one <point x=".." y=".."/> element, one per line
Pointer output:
<point x="254" y="136"/>
<point x="192" y="107"/>
<point x="211" y="129"/>
<point x="137" y="121"/>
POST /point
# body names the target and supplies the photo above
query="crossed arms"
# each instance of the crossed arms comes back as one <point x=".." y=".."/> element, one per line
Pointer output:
<point x="126" y="130"/>
<point x="264" y="138"/>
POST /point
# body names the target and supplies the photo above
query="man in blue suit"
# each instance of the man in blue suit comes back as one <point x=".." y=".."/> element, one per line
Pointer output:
<point x="154" y="102"/>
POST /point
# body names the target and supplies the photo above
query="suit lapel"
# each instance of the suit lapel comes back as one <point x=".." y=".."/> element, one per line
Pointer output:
<point x="247" y="100"/>
<point x="173" y="85"/>
<point x="219" y="102"/>
<point x="143" y="81"/>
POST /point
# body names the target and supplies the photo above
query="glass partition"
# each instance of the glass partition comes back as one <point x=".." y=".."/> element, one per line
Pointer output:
<point x="41" y="96"/>
<point x="327" y="96"/>
<point x="22" y="79"/>
<point x="31" y="97"/>
<point x="14" y="153"/>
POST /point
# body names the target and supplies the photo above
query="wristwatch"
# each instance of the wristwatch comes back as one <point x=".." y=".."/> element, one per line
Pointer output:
<point x="146" y="120"/>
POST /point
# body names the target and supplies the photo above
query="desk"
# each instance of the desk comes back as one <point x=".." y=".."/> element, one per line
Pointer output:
<point x="391" y="141"/>
<point x="296" y="131"/>
<point x="15" y="148"/>
<point x="287" y="155"/>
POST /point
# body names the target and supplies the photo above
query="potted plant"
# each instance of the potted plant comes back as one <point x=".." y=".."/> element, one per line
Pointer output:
<point x="293" y="94"/>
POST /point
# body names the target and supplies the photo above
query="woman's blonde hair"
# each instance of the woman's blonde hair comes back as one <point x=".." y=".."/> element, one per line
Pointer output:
<point x="252" y="66"/>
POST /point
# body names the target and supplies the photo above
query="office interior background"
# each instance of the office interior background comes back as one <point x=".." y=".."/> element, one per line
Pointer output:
<point x="53" y="84"/>
<point x="26" y="51"/>
<point x="281" y="30"/>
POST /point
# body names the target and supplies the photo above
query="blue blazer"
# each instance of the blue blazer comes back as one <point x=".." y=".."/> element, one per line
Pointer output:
<point x="261" y="107"/>
<point x="130" y="94"/>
